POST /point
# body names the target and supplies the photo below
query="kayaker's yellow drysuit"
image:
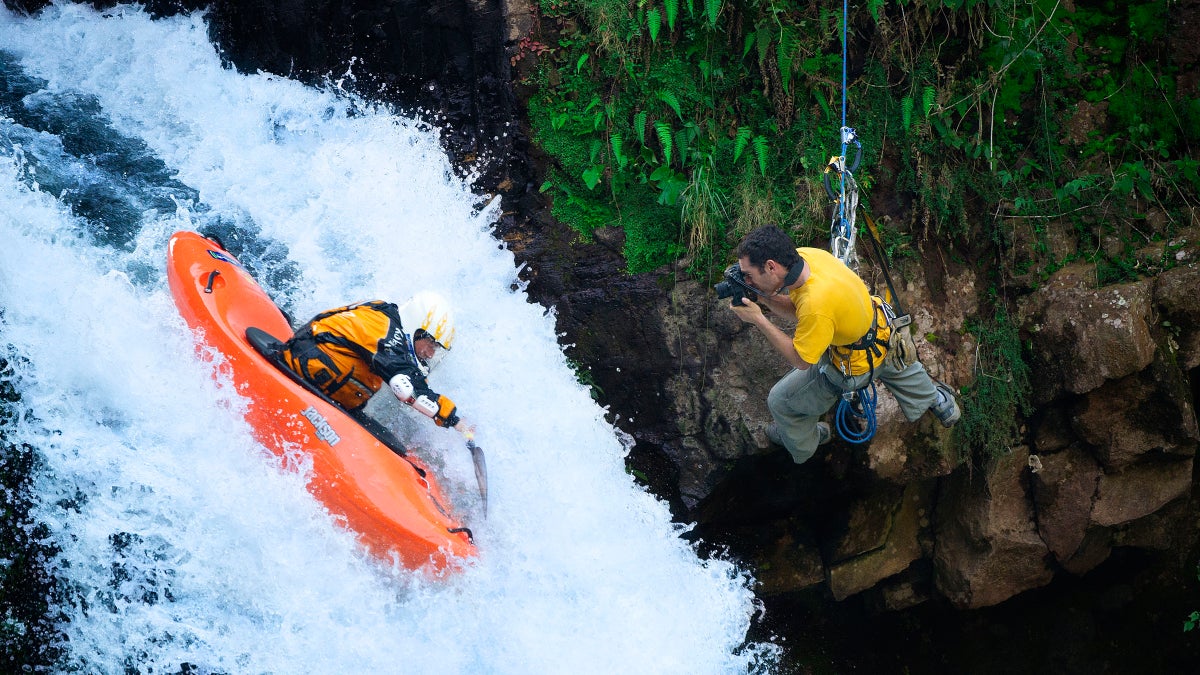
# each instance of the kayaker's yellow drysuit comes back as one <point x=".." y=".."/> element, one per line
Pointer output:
<point x="349" y="352"/>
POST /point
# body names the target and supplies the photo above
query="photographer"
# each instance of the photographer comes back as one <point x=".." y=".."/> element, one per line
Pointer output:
<point x="838" y="345"/>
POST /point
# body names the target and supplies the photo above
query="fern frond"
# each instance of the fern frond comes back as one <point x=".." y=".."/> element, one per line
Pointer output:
<point x="763" y="40"/>
<point x="639" y="125"/>
<point x="740" y="141"/>
<point x="670" y="99"/>
<point x="874" y="6"/>
<point x="664" y="138"/>
<point x="760" y="152"/>
<point x="787" y="46"/>
<point x="928" y="98"/>
<point x="712" y="8"/>
<point x="654" y="22"/>
<point x="672" y="7"/>
<point x="617" y="141"/>
<point x="681" y="141"/>
<point x="906" y="109"/>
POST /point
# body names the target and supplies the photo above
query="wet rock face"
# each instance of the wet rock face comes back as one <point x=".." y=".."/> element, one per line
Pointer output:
<point x="442" y="56"/>
<point x="988" y="547"/>
<point x="1086" y="336"/>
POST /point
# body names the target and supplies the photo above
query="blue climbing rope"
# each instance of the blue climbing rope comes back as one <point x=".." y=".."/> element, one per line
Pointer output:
<point x="855" y="416"/>
<point x="845" y="58"/>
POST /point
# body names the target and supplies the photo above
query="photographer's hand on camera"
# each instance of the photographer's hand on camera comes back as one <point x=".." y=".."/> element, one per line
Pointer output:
<point x="753" y="314"/>
<point x="750" y="312"/>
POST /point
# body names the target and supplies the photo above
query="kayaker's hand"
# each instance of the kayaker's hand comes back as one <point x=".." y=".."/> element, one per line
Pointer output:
<point x="447" y="413"/>
<point x="467" y="430"/>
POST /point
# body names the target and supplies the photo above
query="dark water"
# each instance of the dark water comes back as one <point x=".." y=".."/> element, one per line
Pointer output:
<point x="114" y="183"/>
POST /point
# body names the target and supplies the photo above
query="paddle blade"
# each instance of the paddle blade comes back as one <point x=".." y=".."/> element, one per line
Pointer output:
<point x="480" y="472"/>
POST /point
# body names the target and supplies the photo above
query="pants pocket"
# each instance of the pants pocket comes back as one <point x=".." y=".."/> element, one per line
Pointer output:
<point x="801" y="393"/>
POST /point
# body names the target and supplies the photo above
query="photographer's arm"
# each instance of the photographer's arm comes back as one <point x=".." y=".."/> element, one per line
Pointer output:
<point x="752" y="314"/>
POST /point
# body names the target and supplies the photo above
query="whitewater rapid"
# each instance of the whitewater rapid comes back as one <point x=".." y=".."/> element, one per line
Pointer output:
<point x="182" y="540"/>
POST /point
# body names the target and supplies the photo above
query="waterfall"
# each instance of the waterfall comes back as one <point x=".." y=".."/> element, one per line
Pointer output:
<point x="181" y="540"/>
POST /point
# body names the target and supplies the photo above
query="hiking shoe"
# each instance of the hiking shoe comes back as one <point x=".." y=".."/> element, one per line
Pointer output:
<point x="945" y="407"/>
<point x="824" y="433"/>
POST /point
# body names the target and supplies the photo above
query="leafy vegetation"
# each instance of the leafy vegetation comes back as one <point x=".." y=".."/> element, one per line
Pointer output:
<point x="1000" y="394"/>
<point x="688" y="122"/>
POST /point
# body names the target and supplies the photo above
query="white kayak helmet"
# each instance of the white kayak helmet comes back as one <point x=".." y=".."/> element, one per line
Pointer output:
<point x="428" y="313"/>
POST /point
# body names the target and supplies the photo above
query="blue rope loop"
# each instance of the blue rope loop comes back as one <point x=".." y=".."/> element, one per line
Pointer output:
<point x="855" y="421"/>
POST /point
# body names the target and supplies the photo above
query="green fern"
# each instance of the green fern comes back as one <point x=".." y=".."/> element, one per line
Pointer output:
<point x="672" y="7"/>
<point x="639" y="125"/>
<point x="664" y="138"/>
<point x="740" y="141"/>
<point x="654" y="21"/>
<point x="682" y="140"/>
<point x="873" y="6"/>
<point x="670" y="99"/>
<point x="712" y="8"/>
<point x="763" y="41"/>
<point x="617" y="141"/>
<point x="928" y="98"/>
<point x="787" y="46"/>
<point x="906" y="109"/>
<point x="760" y="152"/>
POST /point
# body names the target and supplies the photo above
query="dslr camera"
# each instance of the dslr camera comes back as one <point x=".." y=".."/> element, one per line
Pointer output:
<point x="734" y="286"/>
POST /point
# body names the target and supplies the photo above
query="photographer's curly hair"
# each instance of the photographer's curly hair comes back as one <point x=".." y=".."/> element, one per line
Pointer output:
<point x="769" y="242"/>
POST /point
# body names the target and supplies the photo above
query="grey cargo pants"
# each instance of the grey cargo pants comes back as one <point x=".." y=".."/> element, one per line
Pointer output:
<point x="799" y="398"/>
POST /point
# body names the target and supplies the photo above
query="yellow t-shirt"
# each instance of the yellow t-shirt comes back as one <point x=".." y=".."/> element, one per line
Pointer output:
<point x="833" y="308"/>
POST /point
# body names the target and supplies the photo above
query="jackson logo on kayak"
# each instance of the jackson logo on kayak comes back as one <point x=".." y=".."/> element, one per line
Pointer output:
<point x="223" y="257"/>
<point x="324" y="431"/>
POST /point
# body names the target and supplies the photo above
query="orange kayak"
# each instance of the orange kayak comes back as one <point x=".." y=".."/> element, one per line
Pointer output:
<point x="385" y="495"/>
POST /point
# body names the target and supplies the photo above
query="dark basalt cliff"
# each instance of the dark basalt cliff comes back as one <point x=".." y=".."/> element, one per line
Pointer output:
<point x="1097" y="507"/>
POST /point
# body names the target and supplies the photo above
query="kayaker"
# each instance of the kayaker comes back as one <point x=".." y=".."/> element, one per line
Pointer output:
<point x="350" y="352"/>
<point x="839" y="343"/>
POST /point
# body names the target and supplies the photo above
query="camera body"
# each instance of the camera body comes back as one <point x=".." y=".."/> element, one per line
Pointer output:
<point x="734" y="286"/>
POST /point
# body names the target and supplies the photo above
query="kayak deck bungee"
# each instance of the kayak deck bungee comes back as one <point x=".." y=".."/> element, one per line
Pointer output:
<point x="385" y="495"/>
